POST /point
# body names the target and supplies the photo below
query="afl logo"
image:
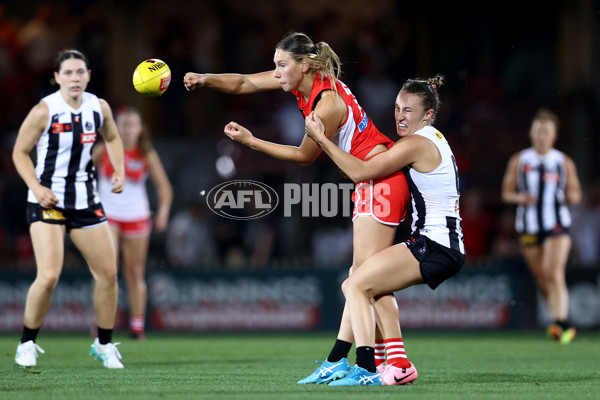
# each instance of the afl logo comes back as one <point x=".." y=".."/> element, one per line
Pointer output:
<point x="242" y="200"/>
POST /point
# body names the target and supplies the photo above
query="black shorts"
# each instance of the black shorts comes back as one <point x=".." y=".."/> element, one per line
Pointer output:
<point x="536" y="239"/>
<point x="437" y="262"/>
<point x="72" y="219"/>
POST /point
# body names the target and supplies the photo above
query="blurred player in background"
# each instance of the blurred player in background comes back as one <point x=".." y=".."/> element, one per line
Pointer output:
<point x="310" y="72"/>
<point x="62" y="199"/>
<point x="542" y="181"/>
<point x="435" y="251"/>
<point x="128" y="213"/>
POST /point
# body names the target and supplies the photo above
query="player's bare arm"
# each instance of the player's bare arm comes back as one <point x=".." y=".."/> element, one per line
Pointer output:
<point x="510" y="193"/>
<point x="163" y="189"/>
<point x="403" y="153"/>
<point x="29" y="133"/>
<point x="308" y="151"/>
<point x="232" y="83"/>
<point x="114" y="146"/>
<point x="573" y="187"/>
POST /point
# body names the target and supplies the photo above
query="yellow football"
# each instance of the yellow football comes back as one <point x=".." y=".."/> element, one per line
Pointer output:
<point x="152" y="77"/>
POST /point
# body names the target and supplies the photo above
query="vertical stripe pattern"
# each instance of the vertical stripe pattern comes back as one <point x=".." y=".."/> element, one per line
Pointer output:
<point x="64" y="161"/>
<point x="544" y="178"/>
<point x="76" y="148"/>
<point x="51" y="154"/>
<point x="540" y="195"/>
<point x="435" y="196"/>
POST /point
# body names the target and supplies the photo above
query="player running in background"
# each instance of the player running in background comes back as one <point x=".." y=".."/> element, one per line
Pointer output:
<point x="128" y="212"/>
<point x="62" y="198"/>
<point x="542" y="181"/>
<point x="435" y="251"/>
<point x="310" y="72"/>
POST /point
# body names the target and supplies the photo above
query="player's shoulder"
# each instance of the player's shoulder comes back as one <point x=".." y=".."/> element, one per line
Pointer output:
<point x="104" y="106"/>
<point x="40" y="111"/>
<point x="330" y="102"/>
<point x="515" y="158"/>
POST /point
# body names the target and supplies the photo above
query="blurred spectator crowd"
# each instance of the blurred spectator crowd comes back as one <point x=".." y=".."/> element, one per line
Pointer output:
<point x="496" y="77"/>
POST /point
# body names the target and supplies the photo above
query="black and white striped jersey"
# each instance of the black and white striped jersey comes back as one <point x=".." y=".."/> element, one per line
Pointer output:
<point x="544" y="177"/>
<point x="435" y="196"/>
<point x="64" y="160"/>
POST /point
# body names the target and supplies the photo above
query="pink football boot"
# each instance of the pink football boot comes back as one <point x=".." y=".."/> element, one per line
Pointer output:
<point x="398" y="376"/>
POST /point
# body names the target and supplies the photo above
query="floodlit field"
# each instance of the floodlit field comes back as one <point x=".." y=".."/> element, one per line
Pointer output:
<point x="481" y="365"/>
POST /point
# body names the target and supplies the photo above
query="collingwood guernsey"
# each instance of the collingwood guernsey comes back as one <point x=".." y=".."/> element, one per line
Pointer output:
<point x="544" y="177"/>
<point x="64" y="161"/>
<point x="435" y="196"/>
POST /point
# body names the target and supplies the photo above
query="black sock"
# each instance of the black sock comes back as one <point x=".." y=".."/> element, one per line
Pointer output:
<point x="564" y="325"/>
<point x="365" y="358"/>
<point x="104" y="335"/>
<point x="340" y="350"/>
<point x="29" y="334"/>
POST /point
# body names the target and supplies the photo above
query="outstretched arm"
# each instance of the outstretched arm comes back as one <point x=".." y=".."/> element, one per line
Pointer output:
<point x="332" y="110"/>
<point x="232" y="83"/>
<point x="383" y="164"/>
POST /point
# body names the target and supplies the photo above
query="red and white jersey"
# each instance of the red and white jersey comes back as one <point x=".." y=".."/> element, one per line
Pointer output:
<point x="357" y="135"/>
<point x="64" y="159"/>
<point x="132" y="203"/>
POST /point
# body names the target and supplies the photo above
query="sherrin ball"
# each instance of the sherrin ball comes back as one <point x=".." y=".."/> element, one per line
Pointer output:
<point x="152" y="77"/>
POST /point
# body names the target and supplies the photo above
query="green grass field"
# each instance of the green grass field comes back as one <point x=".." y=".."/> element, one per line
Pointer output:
<point x="480" y="365"/>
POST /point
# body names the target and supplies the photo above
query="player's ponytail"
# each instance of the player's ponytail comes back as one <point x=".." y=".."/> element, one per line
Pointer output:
<point x="326" y="61"/>
<point x="427" y="89"/>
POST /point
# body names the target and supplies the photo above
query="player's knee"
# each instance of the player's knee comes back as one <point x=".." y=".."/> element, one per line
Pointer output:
<point x="346" y="287"/>
<point x="134" y="273"/>
<point x="554" y="278"/>
<point x="47" y="282"/>
<point x="107" y="277"/>
<point x="351" y="287"/>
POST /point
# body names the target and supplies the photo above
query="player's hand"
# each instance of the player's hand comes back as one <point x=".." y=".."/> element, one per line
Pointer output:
<point x="238" y="133"/>
<point x="161" y="220"/>
<point x="45" y="197"/>
<point x="118" y="182"/>
<point x="315" y="128"/>
<point x="193" y="81"/>
<point x="526" y="199"/>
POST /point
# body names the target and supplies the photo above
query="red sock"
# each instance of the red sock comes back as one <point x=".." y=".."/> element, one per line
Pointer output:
<point x="396" y="355"/>
<point x="379" y="352"/>
<point x="136" y="324"/>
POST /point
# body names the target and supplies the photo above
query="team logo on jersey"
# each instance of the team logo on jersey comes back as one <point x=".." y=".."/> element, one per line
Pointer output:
<point x="88" y="126"/>
<point x="60" y="128"/>
<point x="87" y="138"/>
<point x="242" y="200"/>
<point x="363" y="124"/>
<point x="439" y="135"/>
<point x="53" y="214"/>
